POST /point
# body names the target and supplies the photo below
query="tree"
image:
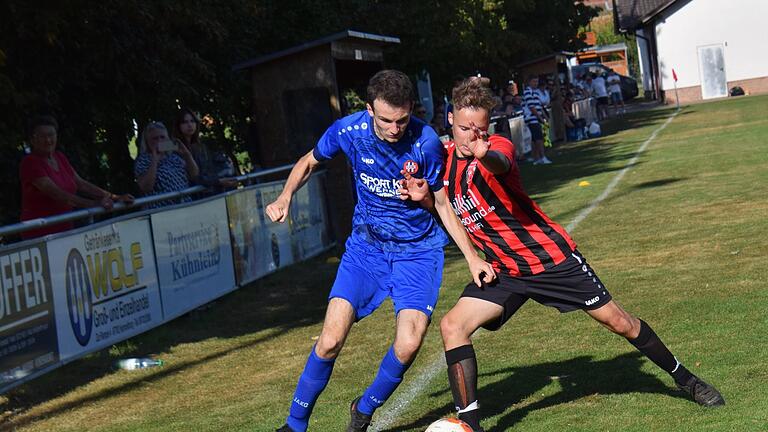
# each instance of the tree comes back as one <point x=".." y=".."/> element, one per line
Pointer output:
<point x="105" y="69"/>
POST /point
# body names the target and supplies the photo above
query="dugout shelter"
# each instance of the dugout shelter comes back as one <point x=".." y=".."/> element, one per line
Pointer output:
<point x="298" y="92"/>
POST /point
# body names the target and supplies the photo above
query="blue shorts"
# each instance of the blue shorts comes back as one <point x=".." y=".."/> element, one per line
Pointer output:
<point x="368" y="275"/>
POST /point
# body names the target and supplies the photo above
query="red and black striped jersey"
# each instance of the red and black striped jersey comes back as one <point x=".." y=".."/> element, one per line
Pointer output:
<point x="501" y="219"/>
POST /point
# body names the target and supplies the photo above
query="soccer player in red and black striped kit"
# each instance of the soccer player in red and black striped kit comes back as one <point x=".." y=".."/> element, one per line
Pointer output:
<point x="533" y="256"/>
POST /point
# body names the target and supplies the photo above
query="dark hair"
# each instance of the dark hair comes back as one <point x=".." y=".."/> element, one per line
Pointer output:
<point x="41" y="120"/>
<point x="472" y="93"/>
<point x="179" y="119"/>
<point x="392" y="87"/>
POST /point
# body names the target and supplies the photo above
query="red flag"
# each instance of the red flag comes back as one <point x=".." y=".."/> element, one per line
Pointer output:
<point x="674" y="75"/>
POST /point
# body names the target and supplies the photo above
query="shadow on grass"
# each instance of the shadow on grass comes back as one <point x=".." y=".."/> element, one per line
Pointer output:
<point x="578" y="160"/>
<point x="280" y="302"/>
<point x="569" y="215"/>
<point x="579" y="378"/>
<point x="292" y="298"/>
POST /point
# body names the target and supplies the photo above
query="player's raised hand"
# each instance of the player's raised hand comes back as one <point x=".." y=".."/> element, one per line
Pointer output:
<point x="479" y="144"/>
<point x="278" y="210"/>
<point x="481" y="271"/>
<point x="411" y="188"/>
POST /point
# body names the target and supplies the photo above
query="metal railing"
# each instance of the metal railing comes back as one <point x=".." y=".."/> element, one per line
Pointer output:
<point x="93" y="211"/>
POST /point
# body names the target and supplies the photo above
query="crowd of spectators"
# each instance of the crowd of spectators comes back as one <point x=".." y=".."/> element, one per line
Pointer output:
<point x="168" y="161"/>
<point x="173" y="160"/>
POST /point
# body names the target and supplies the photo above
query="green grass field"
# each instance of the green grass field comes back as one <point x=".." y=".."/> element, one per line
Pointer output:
<point x="681" y="242"/>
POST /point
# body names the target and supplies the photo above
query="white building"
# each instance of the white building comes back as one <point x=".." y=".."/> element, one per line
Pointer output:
<point x="712" y="45"/>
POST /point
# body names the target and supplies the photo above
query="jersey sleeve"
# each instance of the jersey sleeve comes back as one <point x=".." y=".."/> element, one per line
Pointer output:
<point x="31" y="169"/>
<point x="64" y="162"/>
<point x="434" y="158"/>
<point x="329" y="145"/>
<point x="505" y="147"/>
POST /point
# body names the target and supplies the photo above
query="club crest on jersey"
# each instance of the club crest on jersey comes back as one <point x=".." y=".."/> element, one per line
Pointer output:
<point x="471" y="170"/>
<point x="411" y="167"/>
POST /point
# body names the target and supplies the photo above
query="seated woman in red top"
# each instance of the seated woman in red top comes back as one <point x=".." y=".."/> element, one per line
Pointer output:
<point x="49" y="184"/>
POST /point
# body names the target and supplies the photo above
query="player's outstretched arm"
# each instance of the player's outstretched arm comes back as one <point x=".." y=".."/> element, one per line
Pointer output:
<point x="481" y="270"/>
<point x="277" y="211"/>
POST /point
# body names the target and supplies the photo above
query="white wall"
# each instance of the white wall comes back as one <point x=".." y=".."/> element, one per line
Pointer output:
<point x="644" y="60"/>
<point x="739" y="25"/>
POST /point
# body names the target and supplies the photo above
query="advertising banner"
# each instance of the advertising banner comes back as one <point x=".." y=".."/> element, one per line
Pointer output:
<point x="27" y="322"/>
<point x="308" y="225"/>
<point x="259" y="246"/>
<point x="194" y="256"/>
<point x="104" y="285"/>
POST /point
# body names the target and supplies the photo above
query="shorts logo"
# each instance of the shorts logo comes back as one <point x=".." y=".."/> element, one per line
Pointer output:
<point x="592" y="301"/>
<point x="430" y="308"/>
<point x="411" y="167"/>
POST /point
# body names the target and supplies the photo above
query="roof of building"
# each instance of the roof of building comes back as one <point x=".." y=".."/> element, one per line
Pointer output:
<point x="565" y="54"/>
<point x="630" y="14"/>
<point x="315" y="43"/>
<point x="599" y="49"/>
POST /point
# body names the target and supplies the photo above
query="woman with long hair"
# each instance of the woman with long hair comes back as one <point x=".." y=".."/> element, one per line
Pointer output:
<point x="215" y="167"/>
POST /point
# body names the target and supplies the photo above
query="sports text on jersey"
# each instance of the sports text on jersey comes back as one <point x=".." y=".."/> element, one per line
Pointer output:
<point x="475" y="211"/>
<point x="386" y="188"/>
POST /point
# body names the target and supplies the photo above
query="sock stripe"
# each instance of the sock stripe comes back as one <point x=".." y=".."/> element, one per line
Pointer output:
<point x="471" y="407"/>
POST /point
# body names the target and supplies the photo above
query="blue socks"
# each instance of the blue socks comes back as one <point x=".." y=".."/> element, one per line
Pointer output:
<point x="312" y="381"/>
<point x="389" y="377"/>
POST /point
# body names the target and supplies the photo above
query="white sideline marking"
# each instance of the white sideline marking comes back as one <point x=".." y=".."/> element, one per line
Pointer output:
<point x="396" y="406"/>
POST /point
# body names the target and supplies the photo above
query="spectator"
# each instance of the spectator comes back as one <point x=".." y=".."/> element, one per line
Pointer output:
<point x="600" y="91"/>
<point x="614" y="87"/>
<point x="214" y="166"/>
<point x="49" y="184"/>
<point x="438" y="123"/>
<point x="574" y="127"/>
<point x="420" y="111"/>
<point x="163" y="165"/>
<point x="511" y="88"/>
<point x="534" y="117"/>
<point x="543" y="93"/>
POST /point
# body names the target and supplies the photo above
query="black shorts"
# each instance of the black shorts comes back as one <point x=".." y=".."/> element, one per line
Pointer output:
<point x="536" y="133"/>
<point x="603" y="100"/>
<point x="569" y="286"/>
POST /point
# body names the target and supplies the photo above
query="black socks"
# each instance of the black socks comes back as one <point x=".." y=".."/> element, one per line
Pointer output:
<point x="462" y="375"/>
<point x="648" y="343"/>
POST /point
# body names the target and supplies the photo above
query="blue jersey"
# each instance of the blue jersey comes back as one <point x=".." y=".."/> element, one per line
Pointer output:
<point x="380" y="215"/>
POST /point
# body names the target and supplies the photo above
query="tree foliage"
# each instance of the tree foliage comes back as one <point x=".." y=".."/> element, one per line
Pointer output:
<point x="104" y="68"/>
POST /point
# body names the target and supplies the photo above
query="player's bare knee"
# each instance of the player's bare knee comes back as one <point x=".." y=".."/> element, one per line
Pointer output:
<point x="329" y="346"/>
<point x="450" y="327"/>
<point x="406" y="348"/>
<point x="620" y="324"/>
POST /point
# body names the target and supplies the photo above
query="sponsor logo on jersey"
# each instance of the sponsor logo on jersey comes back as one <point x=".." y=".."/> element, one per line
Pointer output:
<point x="471" y="170"/>
<point x="470" y="211"/>
<point x="368" y="161"/>
<point x="411" y="167"/>
<point x="386" y="188"/>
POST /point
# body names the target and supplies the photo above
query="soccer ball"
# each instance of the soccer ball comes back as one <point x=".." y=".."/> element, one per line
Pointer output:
<point x="449" y="424"/>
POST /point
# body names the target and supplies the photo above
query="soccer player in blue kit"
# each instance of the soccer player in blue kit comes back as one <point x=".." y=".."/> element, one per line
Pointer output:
<point x="396" y="246"/>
